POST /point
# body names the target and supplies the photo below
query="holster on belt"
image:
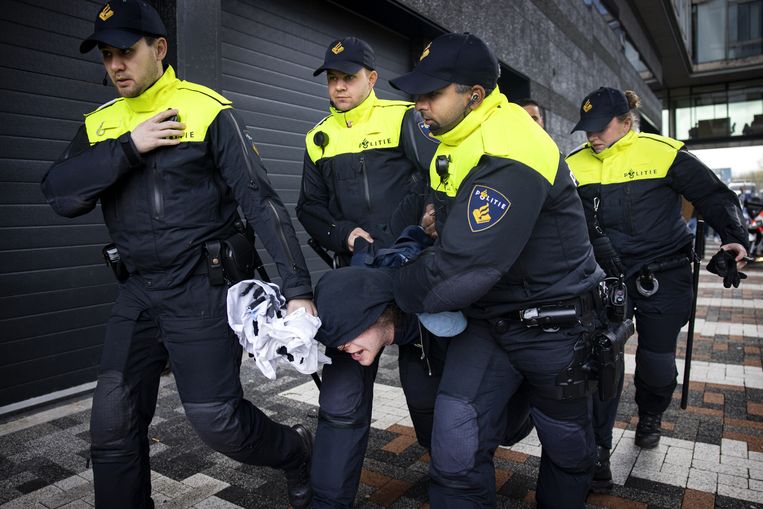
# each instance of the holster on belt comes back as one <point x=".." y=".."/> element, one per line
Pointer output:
<point x="115" y="263"/>
<point x="609" y="356"/>
<point x="230" y="260"/>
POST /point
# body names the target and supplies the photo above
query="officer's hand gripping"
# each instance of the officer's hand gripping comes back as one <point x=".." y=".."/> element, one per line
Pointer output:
<point x="724" y="264"/>
<point x="158" y="131"/>
<point x="607" y="257"/>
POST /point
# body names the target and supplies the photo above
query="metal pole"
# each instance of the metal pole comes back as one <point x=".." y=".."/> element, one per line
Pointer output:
<point x="699" y="253"/>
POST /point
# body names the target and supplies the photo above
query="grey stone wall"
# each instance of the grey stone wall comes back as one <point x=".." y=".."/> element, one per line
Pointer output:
<point x="564" y="47"/>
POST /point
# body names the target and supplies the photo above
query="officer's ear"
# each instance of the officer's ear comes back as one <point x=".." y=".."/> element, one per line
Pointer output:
<point x="372" y="77"/>
<point x="160" y="46"/>
<point x="476" y="96"/>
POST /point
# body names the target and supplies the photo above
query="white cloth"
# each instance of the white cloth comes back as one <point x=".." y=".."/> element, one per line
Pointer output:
<point x="256" y="314"/>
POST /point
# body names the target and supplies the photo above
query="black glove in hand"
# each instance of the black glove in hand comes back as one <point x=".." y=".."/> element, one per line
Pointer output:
<point x="724" y="264"/>
<point x="607" y="257"/>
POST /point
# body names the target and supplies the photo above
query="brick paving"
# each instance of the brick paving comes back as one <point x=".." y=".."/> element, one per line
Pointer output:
<point x="711" y="454"/>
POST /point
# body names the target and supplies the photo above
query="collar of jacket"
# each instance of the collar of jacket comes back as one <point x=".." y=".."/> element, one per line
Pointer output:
<point x="474" y="119"/>
<point x="155" y="95"/>
<point x="620" y="145"/>
<point x="358" y="114"/>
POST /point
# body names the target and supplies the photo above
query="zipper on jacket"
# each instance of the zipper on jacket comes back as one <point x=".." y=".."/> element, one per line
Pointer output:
<point x="420" y="344"/>
<point x="249" y="169"/>
<point x="628" y="214"/>
<point x="281" y="234"/>
<point x="366" y="190"/>
<point x="157" y="199"/>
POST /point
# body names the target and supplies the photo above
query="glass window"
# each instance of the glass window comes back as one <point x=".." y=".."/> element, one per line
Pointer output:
<point x="727" y="30"/>
<point x="710" y="32"/>
<point x="745" y="20"/>
<point x="713" y="112"/>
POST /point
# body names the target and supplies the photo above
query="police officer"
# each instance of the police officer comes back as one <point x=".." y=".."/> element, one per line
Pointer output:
<point x="631" y="185"/>
<point x="514" y="255"/>
<point x="170" y="161"/>
<point x="361" y="162"/>
<point x="363" y="159"/>
<point x="359" y="318"/>
<point x="533" y="109"/>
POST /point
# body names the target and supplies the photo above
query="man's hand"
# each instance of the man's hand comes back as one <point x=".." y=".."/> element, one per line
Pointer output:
<point x="354" y="234"/>
<point x="724" y="263"/>
<point x="607" y="257"/>
<point x="295" y="304"/>
<point x="157" y="131"/>
<point x="740" y="253"/>
<point x="428" y="221"/>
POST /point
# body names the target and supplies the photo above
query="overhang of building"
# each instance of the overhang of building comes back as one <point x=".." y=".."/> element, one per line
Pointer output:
<point x="658" y="20"/>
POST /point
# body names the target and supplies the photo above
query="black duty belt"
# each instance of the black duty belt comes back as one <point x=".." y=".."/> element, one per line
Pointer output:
<point x="646" y="282"/>
<point x="552" y="315"/>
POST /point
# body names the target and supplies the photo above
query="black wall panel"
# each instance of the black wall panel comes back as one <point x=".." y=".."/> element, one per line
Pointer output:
<point x="55" y="292"/>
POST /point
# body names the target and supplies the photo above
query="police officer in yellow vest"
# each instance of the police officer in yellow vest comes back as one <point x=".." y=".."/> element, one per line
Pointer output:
<point x="168" y="187"/>
<point x="513" y="255"/>
<point x="631" y="185"/>
<point x="362" y="161"/>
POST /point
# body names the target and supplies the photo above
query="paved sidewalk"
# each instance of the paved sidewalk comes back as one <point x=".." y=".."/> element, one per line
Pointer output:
<point x="711" y="454"/>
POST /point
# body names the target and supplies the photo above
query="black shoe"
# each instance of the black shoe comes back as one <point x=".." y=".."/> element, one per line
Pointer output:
<point x="298" y="479"/>
<point x="602" y="475"/>
<point x="648" y="430"/>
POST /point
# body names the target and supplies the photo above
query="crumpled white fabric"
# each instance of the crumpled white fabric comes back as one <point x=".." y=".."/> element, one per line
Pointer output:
<point x="255" y="311"/>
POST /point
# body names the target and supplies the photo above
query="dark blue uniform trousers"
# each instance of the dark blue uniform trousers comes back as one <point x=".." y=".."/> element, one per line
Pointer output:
<point x="188" y="325"/>
<point x="659" y="319"/>
<point x="345" y="417"/>
<point x="482" y="372"/>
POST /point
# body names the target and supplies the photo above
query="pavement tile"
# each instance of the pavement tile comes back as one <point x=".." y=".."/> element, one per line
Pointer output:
<point x="694" y="499"/>
<point x="390" y="492"/>
<point x="613" y="502"/>
<point x="399" y="444"/>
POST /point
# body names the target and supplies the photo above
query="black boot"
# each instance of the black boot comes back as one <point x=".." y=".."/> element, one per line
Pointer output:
<point x="648" y="430"/>
<point x="298" y="479"/>
<point x="602" y="475"/>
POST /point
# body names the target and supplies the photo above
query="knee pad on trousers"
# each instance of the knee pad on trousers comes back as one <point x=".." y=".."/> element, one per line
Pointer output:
<point x="112" y="420"/>
<point x="568" y="444"/>
<point x="220" y="427"/>
<point x="345" y="409"/>
<point x="455" y="436"/>
<point x="656" y="370"/>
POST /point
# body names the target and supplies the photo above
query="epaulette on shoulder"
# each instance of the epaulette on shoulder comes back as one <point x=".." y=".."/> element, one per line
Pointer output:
<point x="675" y="144"/>
<point x="105" y="105"/>
<point x="577" y="149"/>
<point x="319" y="124"/>
<point x="201" y="89"/>
<point x="386" y="103"/>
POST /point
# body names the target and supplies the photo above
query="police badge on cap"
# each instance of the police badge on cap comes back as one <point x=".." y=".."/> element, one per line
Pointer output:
<point x="121" y="23"/>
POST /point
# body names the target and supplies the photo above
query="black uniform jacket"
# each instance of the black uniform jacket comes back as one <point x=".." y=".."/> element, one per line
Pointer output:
<point x="515" y="234"/>
<point x="359" y="166"/>
<point x="638" y="182"/>
<point x="160" y="207"/>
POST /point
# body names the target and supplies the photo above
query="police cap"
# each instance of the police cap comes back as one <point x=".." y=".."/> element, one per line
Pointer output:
<point x="349" y="301"/>
<point x="599" y="108"/>
<point x="451" y="58"/>
<point x="348" y="55"/>
<point x="121" y="23"/>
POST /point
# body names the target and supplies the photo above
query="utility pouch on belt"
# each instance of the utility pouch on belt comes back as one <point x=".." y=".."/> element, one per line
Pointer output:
<point x="114" y="261"/>
<point x="230" y="260"/>
<point x="238" y="258"/>
<point x="609" y="356"/>
<point x="213" y="250"/>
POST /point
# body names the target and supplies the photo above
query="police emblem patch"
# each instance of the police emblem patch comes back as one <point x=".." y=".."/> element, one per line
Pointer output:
<point x="486" y="207"/>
